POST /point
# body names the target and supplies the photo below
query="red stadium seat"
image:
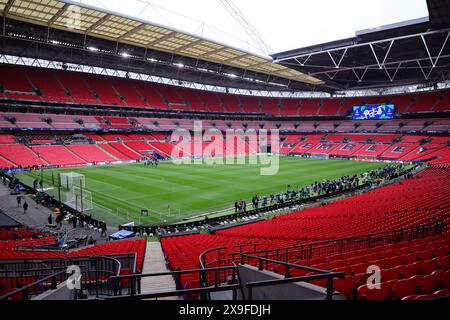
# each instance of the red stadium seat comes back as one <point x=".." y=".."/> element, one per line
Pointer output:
<point x="429" y="266"/>
<point x="405" y="287"/>
<point x="446" y="280"/>
<point x="391" y="274"/>
<point x="444" y="293"/>
<point x="384" y="293"/>
<point x="348" y="286"/>
<point x="411" y="270"/>
<point x="430" y="283"/>
<point x="445" y="263"/>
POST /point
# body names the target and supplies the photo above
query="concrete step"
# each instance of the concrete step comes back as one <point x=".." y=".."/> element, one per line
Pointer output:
<point x="154" y="262"/>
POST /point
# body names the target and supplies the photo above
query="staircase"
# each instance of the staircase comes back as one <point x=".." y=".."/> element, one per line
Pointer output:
<point x="7" y="161"/>
<point x="158" y="150"/>
<point x="154" y="262"/>
<point x="38" y="156"/>
<point x="75" y="155"/>
<point x="104" y="151"/>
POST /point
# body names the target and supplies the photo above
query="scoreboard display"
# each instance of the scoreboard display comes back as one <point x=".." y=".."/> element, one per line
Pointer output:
<point x="374" y="112"/>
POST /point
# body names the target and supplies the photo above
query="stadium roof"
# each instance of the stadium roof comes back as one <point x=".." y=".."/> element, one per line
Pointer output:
<point x="89" y="21"/>
<point x="408" y="53"/>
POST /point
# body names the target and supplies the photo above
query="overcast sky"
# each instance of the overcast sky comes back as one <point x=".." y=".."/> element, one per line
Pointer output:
<point x="284" y="24"/>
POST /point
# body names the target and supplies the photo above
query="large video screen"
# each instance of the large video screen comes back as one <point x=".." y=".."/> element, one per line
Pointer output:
<point x="374" y="112"/>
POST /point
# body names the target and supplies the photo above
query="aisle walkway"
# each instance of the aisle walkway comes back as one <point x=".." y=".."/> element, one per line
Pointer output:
<point x="154" y="262"/>
<point x="36" y="216"/>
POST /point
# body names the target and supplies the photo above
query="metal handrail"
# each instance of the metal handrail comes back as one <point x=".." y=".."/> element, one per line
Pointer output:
<point x="25" y="288"/>
<point x="329" y="277"/>
<point x="63" y="269"/>
<point x="115" y="280"/>
<point x="172" y="293"/>
<point x="166" y="273"/>
<point x="370" y="235"/>
<point x="325" y="244"/>
<point x="287" y="264"/>
<point x="323" y="274"/>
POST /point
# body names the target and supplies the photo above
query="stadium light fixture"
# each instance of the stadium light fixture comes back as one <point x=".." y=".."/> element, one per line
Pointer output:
<point x="125" y="55"/>
<point x="179" y="65"/>
<point x="93" y="49"/>
<point x="232" y="75"/>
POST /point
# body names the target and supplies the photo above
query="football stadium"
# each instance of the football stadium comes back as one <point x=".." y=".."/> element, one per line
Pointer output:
<point x="143" y="162"/>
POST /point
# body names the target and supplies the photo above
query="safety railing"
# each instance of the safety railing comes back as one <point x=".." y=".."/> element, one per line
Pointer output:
<point x="268" y="264"/>
<point x="27" y="279"/>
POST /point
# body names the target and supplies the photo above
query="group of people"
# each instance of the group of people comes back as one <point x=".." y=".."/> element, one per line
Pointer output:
<point x="81" y="220"/>
<point x="150" y="162"/>
<point x="37" y="182"/>
<point x="326" y="187"/>
<point x="240" y="205"/>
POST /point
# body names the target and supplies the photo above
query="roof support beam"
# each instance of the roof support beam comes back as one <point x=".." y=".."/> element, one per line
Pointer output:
<point x="193" y="43"/>
<point x="259" y="64"/>
<point x="212" y="52"/>
<point x="382" y="63"/>
<point x="243" y="54"/>
<point x="58" y="14"/>
<point x="167" y="36"/>
<point x="360" y="78"/>
<point x="337" y="64"/>
<point x="98" y="23"/>
<point x="434" y="62"/>
<point x="357" y="45"/>
<point x="304" y="61"/>
<point x="392" y="78"/>
<point x="333" y="74"/>
<point x="374" y="66"/>
<point x="126" y="34"/>
<point x="8" y="7"/>
<point x="442" y="48"/>
<point x="426" y="47"/>
<point x="425" y="75"/>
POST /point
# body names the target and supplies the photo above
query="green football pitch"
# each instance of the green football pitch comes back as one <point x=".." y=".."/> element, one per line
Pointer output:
<point x="172" y="192"/>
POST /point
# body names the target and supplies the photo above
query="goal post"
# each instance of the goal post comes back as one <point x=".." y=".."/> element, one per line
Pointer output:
<point x="72" y="179"/>
<point x="80" y="199"/>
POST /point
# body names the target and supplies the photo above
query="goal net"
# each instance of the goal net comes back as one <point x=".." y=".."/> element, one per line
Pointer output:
<point x="80" y="199"/>
<point x="72" y="179"/>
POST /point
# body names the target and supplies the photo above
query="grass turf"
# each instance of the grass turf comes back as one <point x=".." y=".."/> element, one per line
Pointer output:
<point x="121" y="191"/>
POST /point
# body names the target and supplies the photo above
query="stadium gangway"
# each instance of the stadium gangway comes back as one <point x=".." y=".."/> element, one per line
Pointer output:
<point x="132" y="282"/>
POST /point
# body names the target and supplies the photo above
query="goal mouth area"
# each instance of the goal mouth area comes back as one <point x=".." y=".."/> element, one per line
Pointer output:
<point x="80" y="200"/>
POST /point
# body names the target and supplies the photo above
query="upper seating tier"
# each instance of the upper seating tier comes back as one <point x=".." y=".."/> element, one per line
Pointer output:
<point x="76" y="87"/>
